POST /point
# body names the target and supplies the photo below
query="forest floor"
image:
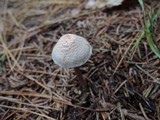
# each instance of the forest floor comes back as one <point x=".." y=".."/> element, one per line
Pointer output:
<point x="122" y="82"/>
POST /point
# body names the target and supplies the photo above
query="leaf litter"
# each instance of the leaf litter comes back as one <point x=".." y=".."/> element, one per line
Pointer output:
<point x="121" y="83"/>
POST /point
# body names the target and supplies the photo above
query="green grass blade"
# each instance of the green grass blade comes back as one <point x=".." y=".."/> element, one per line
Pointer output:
<point x="138" y="40"/>
<point x="148" y="30"/>
<point x="151" y="43"/>
<point x="143" y="11"/>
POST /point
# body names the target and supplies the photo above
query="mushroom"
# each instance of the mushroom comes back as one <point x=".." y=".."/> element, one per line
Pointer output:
<point x="72" y="51"/>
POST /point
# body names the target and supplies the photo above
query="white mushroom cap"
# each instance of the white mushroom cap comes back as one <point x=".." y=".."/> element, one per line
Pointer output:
<point x="71" y="51"/>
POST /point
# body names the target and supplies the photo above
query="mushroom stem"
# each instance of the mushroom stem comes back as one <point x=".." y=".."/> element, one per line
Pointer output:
<point x="79" y="74"/>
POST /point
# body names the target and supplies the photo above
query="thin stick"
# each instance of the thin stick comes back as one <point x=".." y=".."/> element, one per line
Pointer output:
<point x="79" y="75"/>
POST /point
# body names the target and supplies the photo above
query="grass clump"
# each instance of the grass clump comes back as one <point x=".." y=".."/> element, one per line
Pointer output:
<point x="148" y="30"/>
